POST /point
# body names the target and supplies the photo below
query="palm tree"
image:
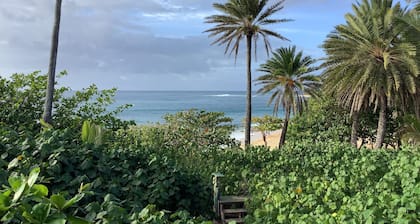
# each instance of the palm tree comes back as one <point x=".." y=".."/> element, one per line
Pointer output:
<point x="369" y="62"/>
<point x="410" y="131"/>
<point x="47" y="115"/>
<point x="287" y="76"/>
<point x="245" y="19"/>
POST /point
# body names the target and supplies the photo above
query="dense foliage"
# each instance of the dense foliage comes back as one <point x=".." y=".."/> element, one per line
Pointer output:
<point x="106" y="171"/>
<point x="335" y="183"/>
<point x="324" y="120"/>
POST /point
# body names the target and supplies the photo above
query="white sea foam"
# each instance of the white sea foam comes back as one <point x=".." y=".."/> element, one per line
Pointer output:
<point x="226" y="95"/>
<point x="238" y="134"/>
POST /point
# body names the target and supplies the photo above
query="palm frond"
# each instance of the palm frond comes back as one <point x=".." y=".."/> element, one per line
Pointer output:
<point x="287" y="77"/>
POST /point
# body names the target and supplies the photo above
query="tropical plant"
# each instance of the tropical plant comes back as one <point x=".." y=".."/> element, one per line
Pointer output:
<point x="412" y="21"/>
<point x="287" y="76"/>
<point x="323" y="120"/>
<point x="245" y="19"/>
<point x="410" y="131"/>
<point x="21" y="100"/>
<point x="47" y="115"/>
<point x="331" y="182"/>
<point x="92" y="133"/>
<point x="26" y="202"/>
<point x="266" y="124"/>
<point x="198" y="129"/>
<point x="369" y="62"/>
<point x="21" y="105"/>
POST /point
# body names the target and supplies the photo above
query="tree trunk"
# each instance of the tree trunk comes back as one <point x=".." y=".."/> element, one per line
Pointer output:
<point x="380" y="133"/>
<point x="284" y="128"/>
<point x="354" y="128"/>
<point x="248" y="92"/>
<point x="47" y="116"/>
<point x="264" y="136"/>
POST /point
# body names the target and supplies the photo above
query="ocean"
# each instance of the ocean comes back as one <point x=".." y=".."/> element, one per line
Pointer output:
<point x="150" y="106"/>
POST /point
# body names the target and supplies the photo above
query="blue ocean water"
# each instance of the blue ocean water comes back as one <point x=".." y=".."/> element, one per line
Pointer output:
<point x="150" y="106"/>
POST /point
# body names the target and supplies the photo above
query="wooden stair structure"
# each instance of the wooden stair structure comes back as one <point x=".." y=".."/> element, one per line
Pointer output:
<point x="232" y="209"/>
<point x="228" y="209"/>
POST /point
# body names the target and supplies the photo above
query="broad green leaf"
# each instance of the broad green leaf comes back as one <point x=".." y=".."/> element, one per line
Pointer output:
<point x="92" y="133"/>
<point x="33" y="175"/>
<point x="77" y="220"/>
<point x="15" y="182"/>
<point x="58" y="201"/>
<point x="85" y="131"/>
<point x="84" y="187"/>
<point x="19" y="192"/>
<point x="56" y="219"/>
<point x="40" y="190"/>
<point x="41" y="211"/>
<point x="29" y="217"/>
<point x="13" y="163"/>
<point x="73" y="200"/>
<point x="4" y="202"/>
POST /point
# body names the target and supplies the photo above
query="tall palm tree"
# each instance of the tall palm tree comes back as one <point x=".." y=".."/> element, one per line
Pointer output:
<point x="416" y="4"/>
<point x="412" y="20"/>
<point x="369" y="62"/>
<point x="410" y="131"/>
<point x="245" y="19"/>
<point x="47" y="115"/>
<point x="287" y="76"/>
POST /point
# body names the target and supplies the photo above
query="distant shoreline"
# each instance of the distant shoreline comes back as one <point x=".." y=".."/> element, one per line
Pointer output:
<point x="257" y="139"/>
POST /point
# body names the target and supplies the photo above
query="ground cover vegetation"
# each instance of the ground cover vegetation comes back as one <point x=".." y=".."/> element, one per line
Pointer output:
<point x="88" y="166"/>
<point x="146" y="175"/>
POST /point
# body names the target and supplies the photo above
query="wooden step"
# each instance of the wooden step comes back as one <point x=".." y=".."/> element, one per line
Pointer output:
<point x="233" y="199"/>
<point x="234" y="210"/>
<point x="235" y="220"/>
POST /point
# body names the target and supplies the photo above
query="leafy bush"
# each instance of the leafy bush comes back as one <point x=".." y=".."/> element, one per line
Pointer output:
<point x="198" y="129"/>
<point x="335" y="183"/>
<point x="27" y="202"/>
<point x="161" y="173"/>
<point x="22" y="101"/>
<point x="324" y="120"/>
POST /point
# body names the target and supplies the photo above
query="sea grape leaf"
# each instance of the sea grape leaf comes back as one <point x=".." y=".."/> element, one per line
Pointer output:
<point x="33" y="175"/>
<point x="58" y="201"/>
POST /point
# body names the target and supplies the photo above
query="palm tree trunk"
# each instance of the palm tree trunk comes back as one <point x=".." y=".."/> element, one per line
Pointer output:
<point x="47" y="115"/>
<point x="354" y="128"/>
<point x="248" y="92"/>
<point x="264" y="136"/>
<point x="284" y="128"/>
<point x="380" y="133"/>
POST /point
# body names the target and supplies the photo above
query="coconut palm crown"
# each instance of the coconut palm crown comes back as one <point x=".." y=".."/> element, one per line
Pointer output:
<point x="287" y="77"/>
<point x="245" y="19"/>
<point x="369" y="62"/>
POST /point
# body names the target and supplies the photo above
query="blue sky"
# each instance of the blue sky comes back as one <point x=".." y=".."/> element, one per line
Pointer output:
<point x="147" y="44"/>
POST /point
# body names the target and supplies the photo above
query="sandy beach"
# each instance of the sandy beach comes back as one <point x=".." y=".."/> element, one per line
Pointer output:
<point x="272" y="139"/>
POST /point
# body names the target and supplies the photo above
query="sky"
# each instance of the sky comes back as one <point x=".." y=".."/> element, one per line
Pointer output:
<point x="147" y="44"/>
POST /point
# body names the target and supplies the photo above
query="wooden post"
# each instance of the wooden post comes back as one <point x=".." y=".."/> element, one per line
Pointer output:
<point x="216" y="193"/>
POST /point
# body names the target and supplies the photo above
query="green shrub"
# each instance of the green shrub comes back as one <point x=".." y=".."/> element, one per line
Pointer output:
<point x="324" y="120"/>
<point x="23" y="201"/>
<point x="198" y="129"/>
<point x="162" y="173"/>
<point x="22" y="101"/>
<point x="335" y="183"/>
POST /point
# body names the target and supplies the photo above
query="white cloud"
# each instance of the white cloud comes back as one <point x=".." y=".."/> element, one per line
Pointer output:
<point x="136" y="44"/>
<point x="123" y="77"/>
